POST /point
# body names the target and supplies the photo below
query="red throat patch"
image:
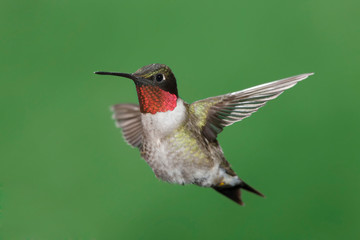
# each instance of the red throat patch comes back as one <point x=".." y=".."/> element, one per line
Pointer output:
<point x="153" y="99"/>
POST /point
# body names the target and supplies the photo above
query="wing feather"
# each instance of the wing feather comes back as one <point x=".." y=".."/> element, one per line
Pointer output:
<point x="215" y="113"/>
<point x="128" y="118"/>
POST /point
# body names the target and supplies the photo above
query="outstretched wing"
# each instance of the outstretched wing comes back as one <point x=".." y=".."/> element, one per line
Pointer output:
<point x="128" y="118"/>
<point x="215" y="113"/>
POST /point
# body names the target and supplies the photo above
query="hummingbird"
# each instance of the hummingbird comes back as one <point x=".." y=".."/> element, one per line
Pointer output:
<point x="178" y="140"/>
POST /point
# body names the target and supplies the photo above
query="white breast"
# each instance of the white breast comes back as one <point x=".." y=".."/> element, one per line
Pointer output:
<point x="162" y="123"/>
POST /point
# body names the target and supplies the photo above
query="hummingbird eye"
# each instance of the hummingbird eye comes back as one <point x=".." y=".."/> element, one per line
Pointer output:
<point x="159" y="77"/>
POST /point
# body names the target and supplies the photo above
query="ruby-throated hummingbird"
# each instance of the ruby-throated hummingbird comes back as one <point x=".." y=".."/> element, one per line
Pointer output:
<point x="177" y="139"/>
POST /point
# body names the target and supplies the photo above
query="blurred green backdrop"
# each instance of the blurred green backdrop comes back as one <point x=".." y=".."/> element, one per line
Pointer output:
<point x="66" y="172"/>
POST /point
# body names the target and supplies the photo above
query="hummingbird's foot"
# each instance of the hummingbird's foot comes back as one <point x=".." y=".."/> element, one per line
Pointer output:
<point x="221" y="184"/>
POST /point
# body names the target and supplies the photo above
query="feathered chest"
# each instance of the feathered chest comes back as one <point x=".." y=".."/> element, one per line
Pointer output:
<point x="161" y="124"/>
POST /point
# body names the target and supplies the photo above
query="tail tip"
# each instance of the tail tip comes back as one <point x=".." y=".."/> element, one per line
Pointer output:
<point x="247" y="187"/>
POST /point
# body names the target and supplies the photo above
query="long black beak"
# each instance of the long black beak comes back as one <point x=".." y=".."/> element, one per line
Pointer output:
<point x="125" y="75"/>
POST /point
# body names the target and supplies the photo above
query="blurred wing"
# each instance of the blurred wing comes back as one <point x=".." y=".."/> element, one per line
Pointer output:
<point x="128" y="118"/>
<point x="215" y="113"/>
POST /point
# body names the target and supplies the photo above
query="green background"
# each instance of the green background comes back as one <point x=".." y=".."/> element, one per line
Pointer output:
<point x="66" y="172"/>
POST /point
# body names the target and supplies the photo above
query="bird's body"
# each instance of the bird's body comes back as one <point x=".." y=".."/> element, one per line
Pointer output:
<point x="177" y="139"/>
<point x="173" y="149"/>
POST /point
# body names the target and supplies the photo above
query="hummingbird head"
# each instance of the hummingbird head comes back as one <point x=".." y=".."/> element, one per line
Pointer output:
<point x="155" y="85"/>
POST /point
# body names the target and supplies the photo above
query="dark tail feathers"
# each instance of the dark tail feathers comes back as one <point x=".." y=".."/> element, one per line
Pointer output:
<point x="234" y="193"/>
